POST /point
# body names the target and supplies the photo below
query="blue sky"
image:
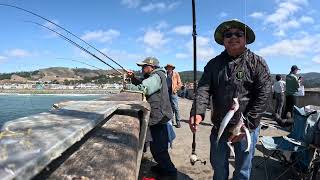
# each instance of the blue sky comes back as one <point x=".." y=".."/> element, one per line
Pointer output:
<point x="287" y="32"/>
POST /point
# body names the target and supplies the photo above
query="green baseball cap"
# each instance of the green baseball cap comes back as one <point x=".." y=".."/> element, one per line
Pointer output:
<point x="152" y="61"/>
<point x="234" y="23"/>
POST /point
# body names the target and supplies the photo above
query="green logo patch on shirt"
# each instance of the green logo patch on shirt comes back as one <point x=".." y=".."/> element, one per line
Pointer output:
<point x="240" y="75"/>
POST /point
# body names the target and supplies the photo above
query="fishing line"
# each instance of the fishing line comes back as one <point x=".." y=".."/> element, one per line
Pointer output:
<point x="245" y="20"/>
<point x="74" y="60"/>
<point x="75" y="44"/>
<point x="69" y="32"/>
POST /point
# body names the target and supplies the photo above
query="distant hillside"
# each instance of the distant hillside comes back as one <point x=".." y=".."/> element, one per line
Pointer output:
<point x="310" y="80"/>
<point x="62" y="75"/>
<point x="187" y="76"/>
<point x="82" y="75"/>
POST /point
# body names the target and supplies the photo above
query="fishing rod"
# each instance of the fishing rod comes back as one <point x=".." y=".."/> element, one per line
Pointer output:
<point x="194" y="158"/>
<point x="81" y="63"/>
<point x="75" y="44"/>
<point x="85" y="64"/>
<point x="69" y="32"/>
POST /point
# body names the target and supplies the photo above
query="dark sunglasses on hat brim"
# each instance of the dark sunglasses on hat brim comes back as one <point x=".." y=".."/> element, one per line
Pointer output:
<point x="230" y="34"/>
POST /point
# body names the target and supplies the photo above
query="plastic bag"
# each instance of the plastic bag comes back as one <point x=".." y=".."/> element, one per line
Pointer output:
<point x="300" y="91"/>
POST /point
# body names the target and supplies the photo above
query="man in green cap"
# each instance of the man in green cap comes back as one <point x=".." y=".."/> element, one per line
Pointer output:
<point x="160" y="132"/>
<point x="235" y="73"/>
<point x="292" y="85"/>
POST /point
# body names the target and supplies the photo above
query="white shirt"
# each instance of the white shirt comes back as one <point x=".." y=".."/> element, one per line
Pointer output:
<point x="279" y="86"/>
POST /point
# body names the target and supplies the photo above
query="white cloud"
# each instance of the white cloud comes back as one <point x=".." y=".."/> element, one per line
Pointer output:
<point x="316" y="59"/>
<point x="223" y="14"/>
<point x="131" y="3"/>
<point x="285" y="16"/>
<point x="291" y="24"/>
<point x="101" y="36"/>
<point x="50" y="34"/>
<point x="3" y="57"/>
<point x="50" y="25"/>
<point x="121" y="55"/>
<point x="293" y="47"/>
<point x="18" y="53"/>
<point x="204" y="49"/>
<point x="173" y="5"/>
<point x="257" y="15"/>
<point x="285" y="9"/>
<point x="307" y="19"/>
<point x="159" y="6"/>
<point x="154" y="39"/>
<point x="182" y="55"/>
<point x="183" y="30"/>
<point x="162" y="25"/>
<point x="153" y="6"/>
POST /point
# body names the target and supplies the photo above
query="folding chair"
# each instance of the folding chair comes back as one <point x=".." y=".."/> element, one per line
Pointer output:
<point x="293" y="150"/>
<point x="315" y="169"/>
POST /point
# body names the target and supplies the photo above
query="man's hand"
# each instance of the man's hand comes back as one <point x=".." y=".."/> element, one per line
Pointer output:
<point x="130" y="74"/>
<point x="193" y="126"/>
<point x="237" y="138"/>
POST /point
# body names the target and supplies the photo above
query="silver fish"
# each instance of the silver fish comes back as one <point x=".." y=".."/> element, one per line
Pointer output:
<point x="225" y="121"/>
<point x="237" y="128"/>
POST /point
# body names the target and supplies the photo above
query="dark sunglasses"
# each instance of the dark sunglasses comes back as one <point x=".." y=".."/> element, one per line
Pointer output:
<point x="145" y="65"/>
<point x="230" y="34"/>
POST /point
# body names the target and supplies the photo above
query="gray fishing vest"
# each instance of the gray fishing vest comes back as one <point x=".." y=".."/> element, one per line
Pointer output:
<point x="161" y="111"/>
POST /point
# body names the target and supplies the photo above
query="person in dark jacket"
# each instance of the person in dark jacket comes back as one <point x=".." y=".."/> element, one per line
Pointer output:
<point x="154" y="86"/>
<point x="235" y="73"/>
<point x="292" y="85"/>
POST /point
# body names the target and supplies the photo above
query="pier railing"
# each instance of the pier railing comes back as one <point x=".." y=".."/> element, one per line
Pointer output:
<point x="100" y="139"/>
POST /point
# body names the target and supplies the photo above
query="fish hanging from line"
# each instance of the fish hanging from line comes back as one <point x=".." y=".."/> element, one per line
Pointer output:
<point x="236" y="129"/>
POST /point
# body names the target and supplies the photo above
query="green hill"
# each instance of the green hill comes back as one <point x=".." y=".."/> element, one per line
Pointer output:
<point x="83" y="75"/>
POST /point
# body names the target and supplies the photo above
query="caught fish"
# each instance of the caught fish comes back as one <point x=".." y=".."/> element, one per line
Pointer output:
<point x="236" y="129"/>
<point x="225" y="121"/>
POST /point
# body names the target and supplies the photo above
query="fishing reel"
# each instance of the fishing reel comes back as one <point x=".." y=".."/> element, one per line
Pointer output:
<point x="194" y="158"/>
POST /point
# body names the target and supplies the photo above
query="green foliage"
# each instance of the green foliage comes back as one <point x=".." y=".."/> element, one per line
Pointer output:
<point x="23" y="74"/>
<point x="187" y="76"/>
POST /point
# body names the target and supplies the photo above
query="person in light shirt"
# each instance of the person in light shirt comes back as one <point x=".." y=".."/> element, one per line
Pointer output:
<point x="279" y="88"/>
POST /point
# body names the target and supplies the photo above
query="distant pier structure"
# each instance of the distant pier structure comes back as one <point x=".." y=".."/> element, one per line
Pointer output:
<point x="100" y="139"/>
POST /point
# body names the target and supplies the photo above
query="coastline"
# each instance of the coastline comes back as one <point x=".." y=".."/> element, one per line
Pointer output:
<point x="58" y="91"/>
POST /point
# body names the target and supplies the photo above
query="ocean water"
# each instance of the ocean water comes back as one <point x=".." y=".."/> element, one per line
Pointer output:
<point x="17" y="106"/>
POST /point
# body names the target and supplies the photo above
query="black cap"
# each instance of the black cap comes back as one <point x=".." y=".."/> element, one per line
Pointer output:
<point x="294" y="67"/>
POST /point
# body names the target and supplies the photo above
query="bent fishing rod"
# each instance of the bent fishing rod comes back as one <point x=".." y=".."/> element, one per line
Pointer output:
<point x="64" y="29"/>
<point x="81" y="63"/>
<point x="194" y="158"/>
<point x="75" y="44"/>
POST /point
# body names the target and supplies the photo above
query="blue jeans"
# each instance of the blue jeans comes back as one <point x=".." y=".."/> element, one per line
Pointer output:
<point x="175" y="106"/>
<point x="219" y="157"/>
